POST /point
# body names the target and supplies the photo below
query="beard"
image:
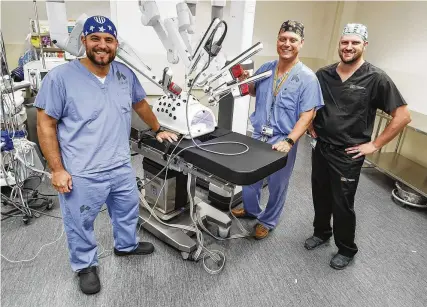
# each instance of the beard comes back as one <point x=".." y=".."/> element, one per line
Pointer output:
<point x="101" y="62"/>
<point x="355" y="57"/>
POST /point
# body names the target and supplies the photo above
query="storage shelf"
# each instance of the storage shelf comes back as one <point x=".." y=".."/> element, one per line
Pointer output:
<point x="402" y="169"/>
<point x="50" y="49"/>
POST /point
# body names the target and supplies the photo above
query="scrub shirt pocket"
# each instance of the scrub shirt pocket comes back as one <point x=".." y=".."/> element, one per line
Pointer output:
<point x="286" y="102"/>
<point x="356" y="101"/>
<point x="355" y="107"/>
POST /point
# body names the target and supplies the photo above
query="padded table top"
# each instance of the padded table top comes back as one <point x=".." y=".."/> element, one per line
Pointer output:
<point x="257" y="163"/>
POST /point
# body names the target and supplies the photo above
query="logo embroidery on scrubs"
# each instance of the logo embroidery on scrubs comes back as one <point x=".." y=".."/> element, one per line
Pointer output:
<point x="356" y="87"/>
<point x="347" y="179"/>
<point x="120" y="75"/>
<point x="83" y="208"/>
<point x="296" y="78"/>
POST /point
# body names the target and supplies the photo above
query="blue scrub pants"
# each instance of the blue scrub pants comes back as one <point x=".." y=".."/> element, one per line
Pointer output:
<point x="118" y="189"/>
<point x="278" y="184"/>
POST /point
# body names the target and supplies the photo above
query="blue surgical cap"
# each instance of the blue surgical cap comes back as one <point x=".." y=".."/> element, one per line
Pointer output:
<point x="99" y="24"/>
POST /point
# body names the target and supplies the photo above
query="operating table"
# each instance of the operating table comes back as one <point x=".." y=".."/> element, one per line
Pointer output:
<point x="188" y="163"/>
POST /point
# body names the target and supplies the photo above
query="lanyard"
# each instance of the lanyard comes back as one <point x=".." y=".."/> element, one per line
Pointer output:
<point x="277" y="84"/>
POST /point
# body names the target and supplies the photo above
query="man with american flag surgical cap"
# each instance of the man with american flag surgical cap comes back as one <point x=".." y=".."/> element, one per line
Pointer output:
<point x="353" y="89"/>
<point x="83" y="124"/>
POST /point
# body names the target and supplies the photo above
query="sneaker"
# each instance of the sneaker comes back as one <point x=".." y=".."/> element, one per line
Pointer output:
<point x="313" y="242"/>
<point x="144" y="248"/>
<point x="340" y="262"/>
<point x="89" y="280"/>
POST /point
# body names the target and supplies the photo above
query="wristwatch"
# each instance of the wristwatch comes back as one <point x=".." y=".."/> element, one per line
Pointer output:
<point x="159" y="130"/>
<point x="290" y="141"/>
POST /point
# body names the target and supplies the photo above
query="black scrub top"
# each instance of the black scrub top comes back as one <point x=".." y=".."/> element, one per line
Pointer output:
<point x="349" y="113"/>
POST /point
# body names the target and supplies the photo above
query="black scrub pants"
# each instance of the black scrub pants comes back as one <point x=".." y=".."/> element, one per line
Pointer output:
<point x="334" y="179"/>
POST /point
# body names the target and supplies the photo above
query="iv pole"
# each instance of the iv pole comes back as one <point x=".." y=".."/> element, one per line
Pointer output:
<point x="38" y="32"/>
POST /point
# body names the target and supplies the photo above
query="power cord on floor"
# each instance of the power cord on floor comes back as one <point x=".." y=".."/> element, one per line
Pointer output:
<point x="53" y="242"/>
<point x="20" y="207"/>
<point x="28" y="260"/>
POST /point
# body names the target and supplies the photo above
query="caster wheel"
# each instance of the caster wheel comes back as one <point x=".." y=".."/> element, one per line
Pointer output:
<point x="49" y="205"/>
<point x="139" y="183"/>
<point x="185" y="255"/>
<point x="223" y="232"/>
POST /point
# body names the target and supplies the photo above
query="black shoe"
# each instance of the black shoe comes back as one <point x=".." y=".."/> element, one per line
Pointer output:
<point x="89" y="280"/>
<point x="339" y="261"/>
<point x="313" y="242"/>
<point x="144" y="248"/>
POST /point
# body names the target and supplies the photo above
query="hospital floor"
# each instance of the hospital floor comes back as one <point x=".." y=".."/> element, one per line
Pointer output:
<point x="389" y="270"/>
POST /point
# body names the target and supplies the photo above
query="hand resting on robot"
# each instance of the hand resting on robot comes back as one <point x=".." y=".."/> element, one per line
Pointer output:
<point x="166" y="136"/>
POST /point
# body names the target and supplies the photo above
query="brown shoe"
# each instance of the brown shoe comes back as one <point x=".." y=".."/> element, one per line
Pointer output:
<point x="261" y="232"/>
<point x="241" y="213"/>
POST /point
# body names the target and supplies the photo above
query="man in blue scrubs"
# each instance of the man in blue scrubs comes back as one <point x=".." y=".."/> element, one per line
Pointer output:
<point x="286" y="104"/>
<point x="83" y="124"/>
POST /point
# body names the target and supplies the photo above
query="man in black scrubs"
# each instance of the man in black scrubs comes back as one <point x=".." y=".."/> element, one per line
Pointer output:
<point x="353" y="90"/>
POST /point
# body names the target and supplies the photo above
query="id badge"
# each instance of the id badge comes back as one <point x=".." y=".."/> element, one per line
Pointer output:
<point x="313" y="143"/>
<point x="267" y="131"/>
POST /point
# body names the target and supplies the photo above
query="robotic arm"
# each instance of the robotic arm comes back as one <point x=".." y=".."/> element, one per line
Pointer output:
<point x="207" y="52"/>
<point x="131" y="58"/>
<point x="71" y="43"/>
<point x="171" y="34"/>
<point x="57" y="16"/>
<point x="150" y="16"/>
<point x="186" y="22"/>
<point x="238" y="89"/>
<point x="222" y="81"/>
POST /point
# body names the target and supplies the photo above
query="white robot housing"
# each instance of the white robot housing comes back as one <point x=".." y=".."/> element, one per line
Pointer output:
<point x="171" y="113"/>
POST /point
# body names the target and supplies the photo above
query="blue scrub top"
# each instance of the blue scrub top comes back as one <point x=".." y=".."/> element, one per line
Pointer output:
<point x="299" y="93"/>
<point x="94" y="118"/>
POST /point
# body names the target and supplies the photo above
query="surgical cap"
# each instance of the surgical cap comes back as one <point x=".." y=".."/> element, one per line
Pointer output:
<point x="99" y="24"/>
<point x="292" y="26"/>
<point x="356" y="29"/>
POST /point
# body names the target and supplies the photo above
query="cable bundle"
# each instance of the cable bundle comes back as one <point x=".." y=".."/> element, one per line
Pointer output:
<point x="18" y="156"/>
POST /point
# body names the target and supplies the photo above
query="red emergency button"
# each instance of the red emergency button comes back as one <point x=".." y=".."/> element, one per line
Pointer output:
<point x="236" y="71"/>
<point x="174" y="88"/>
<point x="244" y="89"/>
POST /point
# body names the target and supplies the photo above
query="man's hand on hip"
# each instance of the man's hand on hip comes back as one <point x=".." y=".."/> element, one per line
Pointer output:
<point x="166" y="135"/>
<point x="61" y="181"/>
<point x="362" y="150"/>
<point x="282" y="146"/>
<point x="311" y="131"/>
